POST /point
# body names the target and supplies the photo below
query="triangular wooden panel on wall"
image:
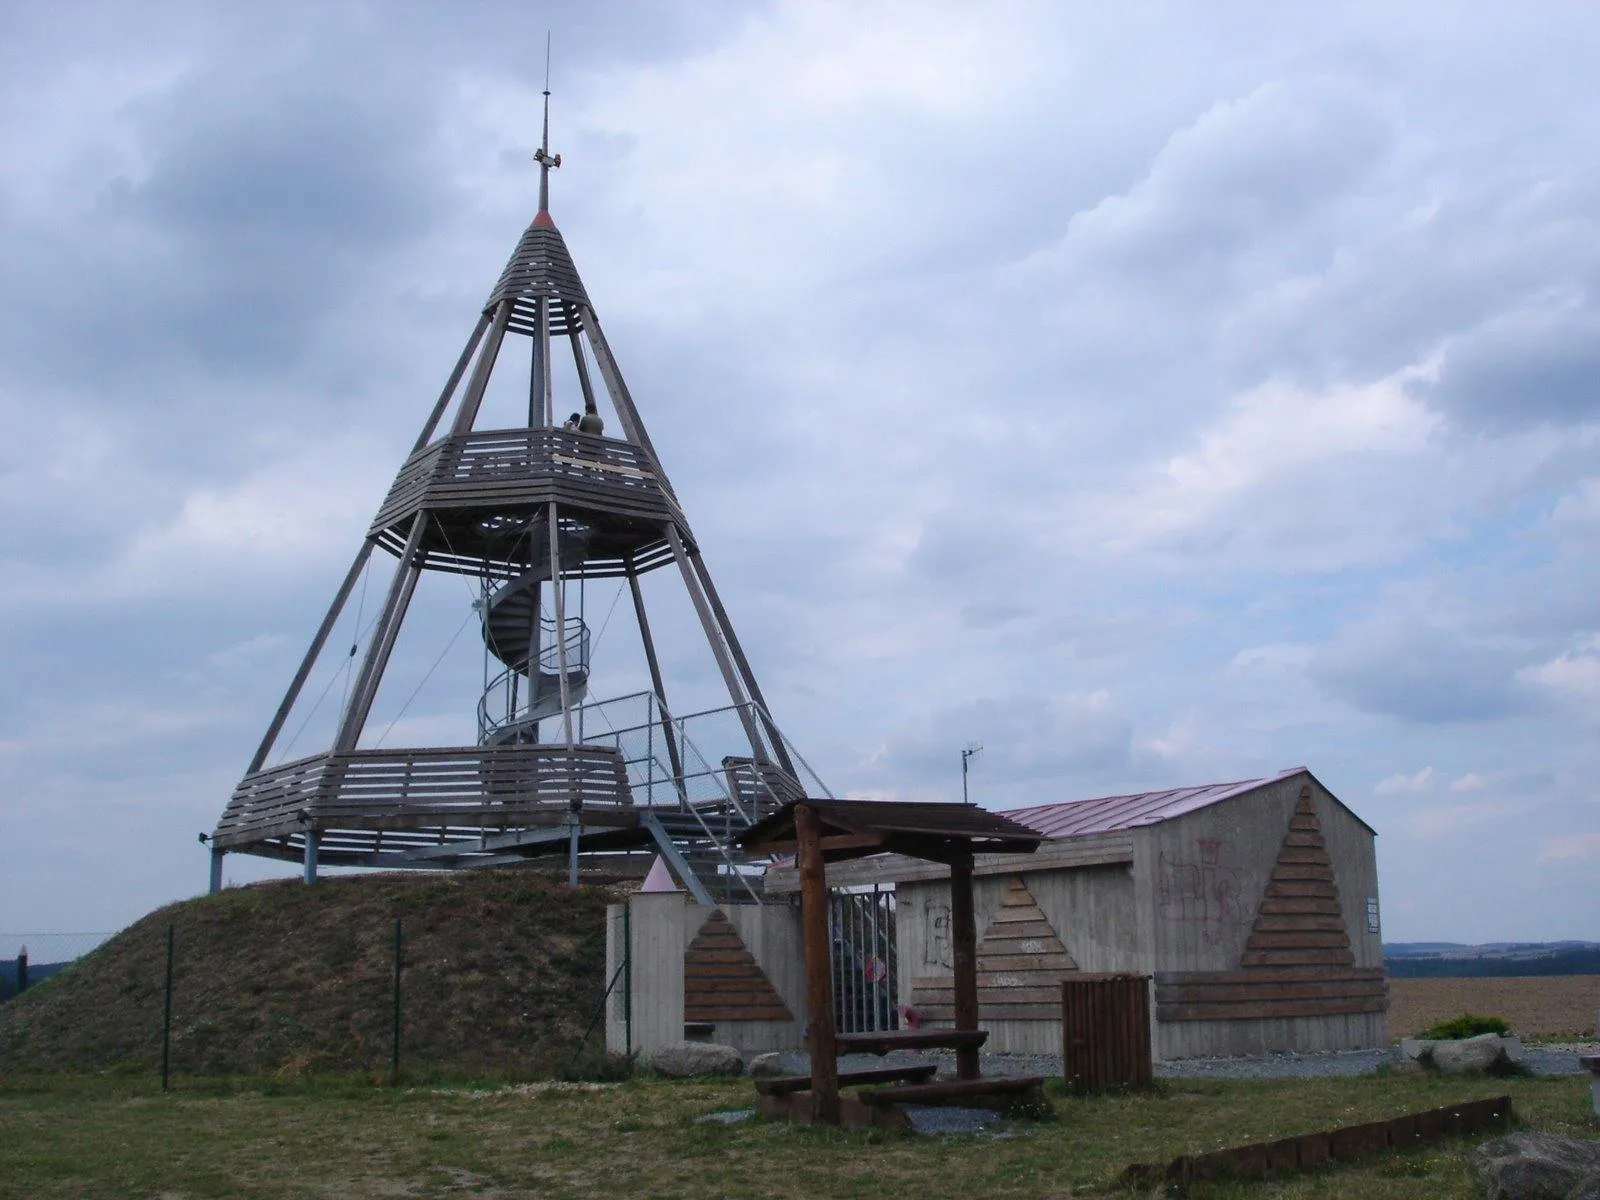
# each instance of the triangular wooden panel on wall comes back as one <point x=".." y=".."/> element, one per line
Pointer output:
<point x="1022" y="962"/>
<point x="1021" y="942"/>
<point x="1300" y="922"/>
<point x="722" y="981"/>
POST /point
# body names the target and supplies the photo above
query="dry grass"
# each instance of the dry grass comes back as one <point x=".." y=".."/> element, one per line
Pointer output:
<point x="102" y="1138"/>
<point x="502" y="971"/>
<point x="1536" y="1006"/>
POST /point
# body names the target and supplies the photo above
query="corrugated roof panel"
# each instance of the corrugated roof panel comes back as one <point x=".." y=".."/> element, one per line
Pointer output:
<point x="1107" y="814"/>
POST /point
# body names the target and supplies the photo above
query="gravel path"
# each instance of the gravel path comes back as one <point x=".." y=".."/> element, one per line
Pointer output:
<point x="1541" y="1060"/>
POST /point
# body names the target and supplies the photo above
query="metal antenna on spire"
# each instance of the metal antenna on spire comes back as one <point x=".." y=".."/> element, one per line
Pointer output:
<point x="542" y="155"/>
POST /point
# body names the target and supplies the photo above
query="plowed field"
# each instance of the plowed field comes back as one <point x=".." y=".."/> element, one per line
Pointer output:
<point x="1536" y="1006"/>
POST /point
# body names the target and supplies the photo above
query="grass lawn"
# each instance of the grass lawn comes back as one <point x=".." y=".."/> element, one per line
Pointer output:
<point x="109" y="1136"/>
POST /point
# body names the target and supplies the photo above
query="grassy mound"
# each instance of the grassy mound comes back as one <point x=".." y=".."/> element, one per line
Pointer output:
<point x="502" y="971"/>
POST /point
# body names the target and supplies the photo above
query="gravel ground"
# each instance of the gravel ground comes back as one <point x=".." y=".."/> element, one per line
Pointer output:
<point x="1559" y="1059"/>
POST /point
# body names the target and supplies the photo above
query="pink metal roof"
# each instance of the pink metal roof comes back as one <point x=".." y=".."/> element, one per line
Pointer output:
<point x="1077" y="818"/>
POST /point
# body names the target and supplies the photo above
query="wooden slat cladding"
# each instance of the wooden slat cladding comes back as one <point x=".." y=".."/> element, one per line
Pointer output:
<point x="494" y="786"/>
<point x="722" y="981"/>
<point x="541" y="267"/>
<point x="1021" y="964"/>
<point x="1297" y="961"/>
<point x="1300" y="921"/>
<point x="1274" y="992"/>
<point x="498" y="469"/>
<point x="1105" y="1032"/>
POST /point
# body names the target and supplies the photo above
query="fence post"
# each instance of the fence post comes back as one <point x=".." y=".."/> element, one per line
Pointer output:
<point x="394" y="1050"/>
<point x="166" y="1017"/>
<point x="22" y="970"/>
<point x="627" y="979"/>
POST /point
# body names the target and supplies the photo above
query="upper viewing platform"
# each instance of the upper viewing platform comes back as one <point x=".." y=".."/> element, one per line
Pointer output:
<point x="484" y="487"/>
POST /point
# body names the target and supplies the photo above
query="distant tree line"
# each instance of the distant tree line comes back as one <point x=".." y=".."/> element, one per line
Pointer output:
<point x="1584" y="961"/>
<point x="37" y="973"/>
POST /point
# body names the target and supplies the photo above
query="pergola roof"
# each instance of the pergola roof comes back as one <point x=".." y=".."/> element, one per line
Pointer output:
<point x="854" y="828"/>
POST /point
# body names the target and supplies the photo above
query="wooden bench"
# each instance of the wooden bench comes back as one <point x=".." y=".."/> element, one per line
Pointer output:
<point x="783" y="1085"/>
<point x="978" y="1093"/>
<point x="909" y="1039"/>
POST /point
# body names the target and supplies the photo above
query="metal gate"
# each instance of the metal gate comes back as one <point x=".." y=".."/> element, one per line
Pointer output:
<point x="864" y="992"/>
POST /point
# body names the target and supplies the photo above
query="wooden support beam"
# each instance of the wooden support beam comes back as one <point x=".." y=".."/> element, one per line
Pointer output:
<point x="719" y="648"/>
<point x="819" y="968"/>
<point x="377" y="658"/>
<point x="656" y="681"/>
<point x="317" y="642"/>
<point x="451" y="384"/>
<point x="838" y="841"/>
<point x="480" y="373"/>
<point x="964" y="954"/>
<point x="741" y="661"/>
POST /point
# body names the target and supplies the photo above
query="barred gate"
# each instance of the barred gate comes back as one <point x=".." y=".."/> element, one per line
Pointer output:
<point x="864" y="993"/>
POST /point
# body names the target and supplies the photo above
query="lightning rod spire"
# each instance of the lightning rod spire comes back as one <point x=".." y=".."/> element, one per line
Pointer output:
<point x="542" y="155"/>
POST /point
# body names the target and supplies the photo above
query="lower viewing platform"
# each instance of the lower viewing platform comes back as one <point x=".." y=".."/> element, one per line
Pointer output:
<point x="368" y="806"/>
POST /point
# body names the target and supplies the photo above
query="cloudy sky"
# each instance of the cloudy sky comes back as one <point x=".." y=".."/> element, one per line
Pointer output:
<point x="1156" y="395"/>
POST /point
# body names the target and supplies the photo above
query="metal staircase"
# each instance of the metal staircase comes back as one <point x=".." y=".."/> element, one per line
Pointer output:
<point x="532" y="648"/>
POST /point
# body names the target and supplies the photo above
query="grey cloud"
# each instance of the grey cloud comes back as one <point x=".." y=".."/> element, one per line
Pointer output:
<point x="1522" y="368"/>
<point x="1420" y="673"/>
<point x="1238" y="174"/>
<point x="1025" y="739"/>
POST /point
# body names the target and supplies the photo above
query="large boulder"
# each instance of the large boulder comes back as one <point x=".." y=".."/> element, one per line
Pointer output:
<point x="1481" y="1053"/>
<point x="1538" y="1166"/>
<point x="767" y="1066"/>
<point x="683" y="1059"/>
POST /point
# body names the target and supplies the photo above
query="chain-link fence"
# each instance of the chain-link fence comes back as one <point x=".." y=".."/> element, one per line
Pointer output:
<point x="30" y="958"/>
<point x="374" y="993"/>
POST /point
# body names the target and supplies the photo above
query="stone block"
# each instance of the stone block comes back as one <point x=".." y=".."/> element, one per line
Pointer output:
<point x="684" y="1059"/>
<point x="1538" y="1166"/>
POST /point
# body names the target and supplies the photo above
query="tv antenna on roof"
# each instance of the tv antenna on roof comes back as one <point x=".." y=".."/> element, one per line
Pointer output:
<point x="973" y="749"/>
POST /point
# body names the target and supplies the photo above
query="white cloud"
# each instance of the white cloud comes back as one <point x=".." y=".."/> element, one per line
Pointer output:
<point x="1454" y="819"/>
<point x="1405" y="785"/>
<point x="1469" y="782"/>
<point x="1286" y="472"/>
<point x="1569" y="847"/>
<point x="1572" y="675"/>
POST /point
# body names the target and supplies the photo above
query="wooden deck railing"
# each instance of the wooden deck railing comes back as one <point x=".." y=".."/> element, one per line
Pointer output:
<point x="372" y="789"/>
<point x="468" y="469"/>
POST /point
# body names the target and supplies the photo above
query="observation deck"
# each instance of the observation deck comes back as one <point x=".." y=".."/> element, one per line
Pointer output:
<point x="486" y="489"/>
<point x="363" y="802"/>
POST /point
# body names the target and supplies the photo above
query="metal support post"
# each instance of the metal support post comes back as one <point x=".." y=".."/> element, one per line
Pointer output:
<point x="216" y="870"/>
<point x="394" y="1048"/>
<point x="574" y="828"/>
<point x="313" y="840"/>
<point x="166" y="1018"/>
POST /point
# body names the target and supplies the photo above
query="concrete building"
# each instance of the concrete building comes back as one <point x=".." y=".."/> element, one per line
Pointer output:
<point x="1252" y="904"/>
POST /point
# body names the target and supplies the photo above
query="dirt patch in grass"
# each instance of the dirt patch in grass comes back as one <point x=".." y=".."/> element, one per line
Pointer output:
<point x="501" y="972"/>
<point x="1536" y="1006"/>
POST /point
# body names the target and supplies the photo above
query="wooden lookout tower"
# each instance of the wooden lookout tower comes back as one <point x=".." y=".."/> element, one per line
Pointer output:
<point x="528" y="514"/>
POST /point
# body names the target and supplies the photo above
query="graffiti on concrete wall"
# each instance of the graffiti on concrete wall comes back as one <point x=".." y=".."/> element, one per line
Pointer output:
<point x="936" y="943"/>
<point x="1205" y="891"/>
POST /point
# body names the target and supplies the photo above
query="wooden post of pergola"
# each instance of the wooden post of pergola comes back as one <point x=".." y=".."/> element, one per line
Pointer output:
<point x="819" y="974"/>
<point x="964" y="949"/>
<point x="822" y="831"/>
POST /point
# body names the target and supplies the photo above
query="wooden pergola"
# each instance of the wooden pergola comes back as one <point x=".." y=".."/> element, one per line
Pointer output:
<point x="818" y="832"/>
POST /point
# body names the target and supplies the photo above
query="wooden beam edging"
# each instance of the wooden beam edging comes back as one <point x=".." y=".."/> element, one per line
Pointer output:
<point x="1094" y="850"/>
<point x="1348" y="1143"/>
